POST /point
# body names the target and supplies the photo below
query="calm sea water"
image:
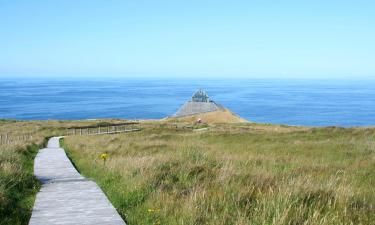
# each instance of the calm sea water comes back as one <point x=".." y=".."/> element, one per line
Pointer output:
<point x="294" y="102"/>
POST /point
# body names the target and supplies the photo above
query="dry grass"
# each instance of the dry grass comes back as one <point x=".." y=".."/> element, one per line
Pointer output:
<point x="222" y="116"/>
<point x="17" y="183"/>
<point x="234" y="174"/>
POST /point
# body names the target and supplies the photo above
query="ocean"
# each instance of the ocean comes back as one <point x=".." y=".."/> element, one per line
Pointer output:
<point x="292" y="102"/>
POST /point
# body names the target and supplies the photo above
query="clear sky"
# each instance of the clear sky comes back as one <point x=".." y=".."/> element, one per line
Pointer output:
<point x="180" y="38"/>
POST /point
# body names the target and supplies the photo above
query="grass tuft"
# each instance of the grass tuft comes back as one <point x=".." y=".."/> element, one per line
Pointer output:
<point x="234" y="174"/>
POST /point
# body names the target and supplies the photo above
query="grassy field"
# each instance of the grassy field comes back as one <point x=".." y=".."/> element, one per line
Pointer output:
<point x="18" y="185"/>
<point x="234" y="173"/>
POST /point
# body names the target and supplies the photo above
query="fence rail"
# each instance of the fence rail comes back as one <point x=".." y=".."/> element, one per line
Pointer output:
<point x="104" y="129"/>
<point x="8" y="138"/>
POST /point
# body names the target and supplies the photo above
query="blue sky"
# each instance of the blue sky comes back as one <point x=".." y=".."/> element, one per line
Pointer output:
<point x="196" y="38"/>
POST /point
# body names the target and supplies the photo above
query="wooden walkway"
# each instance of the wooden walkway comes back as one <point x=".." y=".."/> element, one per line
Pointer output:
<point x="66" y="197"/>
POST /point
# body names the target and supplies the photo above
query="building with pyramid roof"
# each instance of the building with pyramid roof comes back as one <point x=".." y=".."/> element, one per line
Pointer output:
<point x="199" y="103"/>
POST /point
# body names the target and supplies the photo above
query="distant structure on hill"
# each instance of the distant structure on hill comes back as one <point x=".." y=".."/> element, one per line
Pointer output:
<point x="200" y="96"/>
<point x="199" y="103"/>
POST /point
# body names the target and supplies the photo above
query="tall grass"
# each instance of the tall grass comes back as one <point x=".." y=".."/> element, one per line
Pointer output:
<point x="18" y="185"/>
<point x="234" y="174"/>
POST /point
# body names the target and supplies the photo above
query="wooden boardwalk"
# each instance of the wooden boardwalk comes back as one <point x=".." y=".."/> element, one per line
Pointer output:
<point x="66" y="197"/>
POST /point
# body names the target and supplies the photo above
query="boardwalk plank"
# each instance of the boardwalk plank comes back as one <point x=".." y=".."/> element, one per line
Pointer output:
<point x="66" y="197"/>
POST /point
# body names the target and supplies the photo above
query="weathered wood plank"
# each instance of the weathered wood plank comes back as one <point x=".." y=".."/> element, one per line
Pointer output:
<point x="66" y="197"/>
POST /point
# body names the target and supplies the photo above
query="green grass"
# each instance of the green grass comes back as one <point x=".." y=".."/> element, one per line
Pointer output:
<point x="234" y="174"/>
<point x="18" y="185"/>
<point x="230" y="174"/>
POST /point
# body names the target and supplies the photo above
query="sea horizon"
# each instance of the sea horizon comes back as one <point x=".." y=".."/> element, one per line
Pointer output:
<point x="305" y="102"/>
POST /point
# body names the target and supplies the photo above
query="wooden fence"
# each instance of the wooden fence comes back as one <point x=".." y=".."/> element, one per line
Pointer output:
<point x="8" y="138"/>
<point x="104" y="129"/>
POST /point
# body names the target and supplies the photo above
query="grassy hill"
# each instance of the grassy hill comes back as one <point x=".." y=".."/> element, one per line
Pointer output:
<point x="240" y="173"/>
<point x="174" y="172"/>
<point x="220" y="116"/>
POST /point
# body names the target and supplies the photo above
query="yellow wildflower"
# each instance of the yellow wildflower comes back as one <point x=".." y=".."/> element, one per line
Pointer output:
<point x="104" y="156"/>
<point x="153" y="210"/>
